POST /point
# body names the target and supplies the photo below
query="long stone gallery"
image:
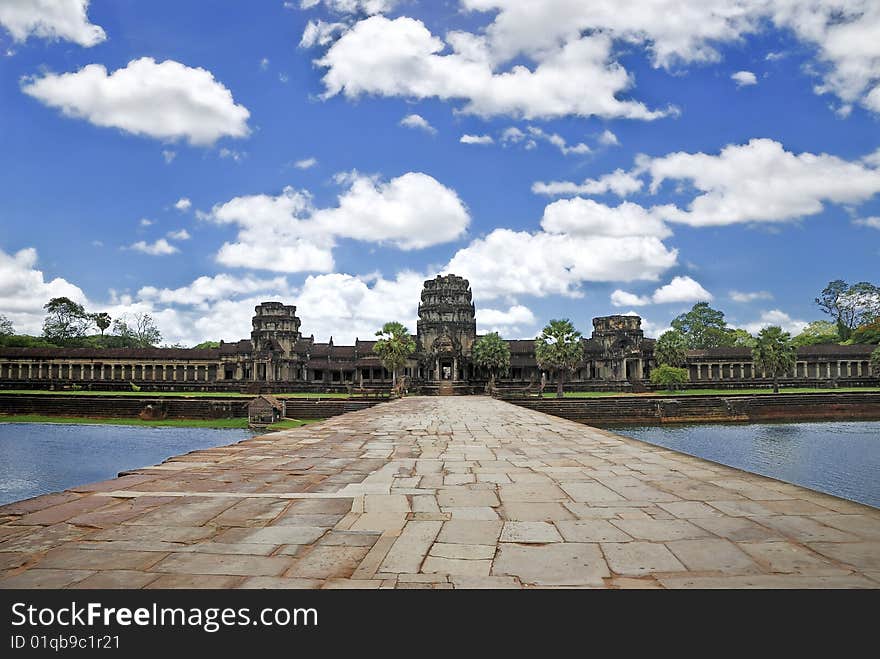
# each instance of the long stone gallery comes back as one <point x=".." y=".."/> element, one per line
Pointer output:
<point x="278" y="356"/>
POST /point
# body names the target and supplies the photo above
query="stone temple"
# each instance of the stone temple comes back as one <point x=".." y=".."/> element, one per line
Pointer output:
<point x="277" y="357"/>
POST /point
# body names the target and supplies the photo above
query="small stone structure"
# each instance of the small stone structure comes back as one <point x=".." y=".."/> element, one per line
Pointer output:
<point x="278" y="357"/>
<point x="264" y="410"/>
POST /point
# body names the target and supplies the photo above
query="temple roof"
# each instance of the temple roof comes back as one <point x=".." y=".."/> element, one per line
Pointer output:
<point x="111" y="353"/>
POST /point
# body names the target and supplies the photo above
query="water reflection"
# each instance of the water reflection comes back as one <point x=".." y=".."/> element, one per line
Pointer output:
<point x="840" y="458"/>
<point x="37" y="458"/>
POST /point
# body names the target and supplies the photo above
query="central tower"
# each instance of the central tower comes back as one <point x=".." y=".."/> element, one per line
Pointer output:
<point x="447" y="327"/>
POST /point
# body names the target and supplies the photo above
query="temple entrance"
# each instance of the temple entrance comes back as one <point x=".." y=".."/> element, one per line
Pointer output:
<point x="446" y="369"/>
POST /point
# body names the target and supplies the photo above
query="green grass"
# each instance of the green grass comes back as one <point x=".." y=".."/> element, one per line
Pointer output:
<point x="237" y="423"/>
<point x="152" y="394"/>
<point x="714" y="392"/>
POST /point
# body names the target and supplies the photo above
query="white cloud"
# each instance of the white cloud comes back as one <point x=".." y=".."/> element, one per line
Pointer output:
<point x="288" y="234"/>
<point x="232" y="154"/>
<point x="183" y="204"/>
<point x="619" y="182"/>
<point x="476" y="139"/>
<point x="760" y="182"/>
<point x="24" y="290"/>
<point x="744" y="78"/>
<point x="166" y="100"/>
<point x="159" y="248"/>
<point x="680" y="289"/>
<point x="741" y="296"/>
<point x="512" y="135"/>
<point x="169" y="156"/>
<point x="512" y="263"/>
<point x="513" y="321"/>
<point x="419" y="122"/>
<point x="50" y="19"/>
<point x="775" y="317"/>
<point x="208" y="289"/>
<point x="401" y="57"/>
<point x="621" y="298"/>
<point x="607" y="138"/>
<point x="181" y="234"/>
<point x="558" y="141"/>
<point x="264" y="63"/>
<point x="352" y="6"/>
<point x="872" y="222"/>
<point x="586" y="217"/>
<point x="306" y="163"/>
<point x="320" y="33"/>
<point x="145" y="222"/>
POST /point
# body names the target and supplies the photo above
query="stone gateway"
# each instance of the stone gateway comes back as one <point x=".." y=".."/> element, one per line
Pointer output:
<point x="278" y="357"/>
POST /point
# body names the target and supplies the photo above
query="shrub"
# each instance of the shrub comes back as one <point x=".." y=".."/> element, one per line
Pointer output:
<point x="669" y="377"/>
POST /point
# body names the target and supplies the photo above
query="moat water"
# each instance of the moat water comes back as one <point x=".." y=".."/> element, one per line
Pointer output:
<point x="36" y="458"/>
<point x="839" y="457"/>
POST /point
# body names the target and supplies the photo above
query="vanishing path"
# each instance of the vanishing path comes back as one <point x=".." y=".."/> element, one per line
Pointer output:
<point x="439" y="492"/>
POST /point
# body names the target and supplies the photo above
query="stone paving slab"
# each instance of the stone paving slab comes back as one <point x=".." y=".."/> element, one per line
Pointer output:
<point x="439" y="493"/>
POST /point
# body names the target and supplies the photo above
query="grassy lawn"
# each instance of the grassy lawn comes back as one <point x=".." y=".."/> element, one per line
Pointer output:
<point x="153" y="394"/>
<point x="714" y="392"/>
<point x="239" y="423"/>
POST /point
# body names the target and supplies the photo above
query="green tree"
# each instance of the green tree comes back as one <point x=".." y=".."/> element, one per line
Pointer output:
<point x="394" y="347"/>
<point x="671" y="349"/>
<point x="740" y="338"/>
<point x="850" y="306"/>
<point x="206" y="344"/>
<point x="669" y="377"/>
<point x="875" y="361"/>
<point x="141" y="332"/>
<point x="102" y="320"/>
<point x="559" y="349"/>
<point x="775" y="353"/>
<point x="704" y="327"/>
<point x="817" y="332"/>
<point x="6" y="328"/>
<point x="869" y="333"/>
<point x="66" y="321"/>
<point x="492" y="353"/>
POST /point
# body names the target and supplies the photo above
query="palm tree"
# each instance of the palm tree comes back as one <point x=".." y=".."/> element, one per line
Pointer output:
<point x="492" y="353"/>
<point x="775" y="353"/>
<point x="559" y="349"/>
<point x="394" y="347"/>
<point x="671" y="349"/>
<point x="102" y="320"/>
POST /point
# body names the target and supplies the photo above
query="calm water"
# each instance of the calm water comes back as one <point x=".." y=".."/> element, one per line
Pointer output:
<point x="840" y="458"/>
<point x="36" y="458"/>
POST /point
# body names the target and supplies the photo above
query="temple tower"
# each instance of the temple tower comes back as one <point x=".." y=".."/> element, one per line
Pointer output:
<point x="275" y="331"/>
<point x="621" y="340"/>
<point x="446" y="328"/>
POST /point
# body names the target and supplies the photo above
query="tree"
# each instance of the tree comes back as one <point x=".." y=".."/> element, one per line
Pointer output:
<point x="869" y="333"/>
<point x="492" y="353"/>
<point x="850" y="306"/>
<point x="206" y="344"/>
<point x="141" y="333"/>
<point x="65" y="321"/>
<point x="704" y="327"/>
<point x="559" y="349"/>
<point x="394" y="347"/>
<point x="102" y="320"/>
<point x="669" y="377"/>
<point x="875" y="361"/>
<point x="740" y="338"/>
<point x="6" y="328"/>
<point x="819" y="331"/>
<point x="775" y="353"/>
<point x="671" y="349"/>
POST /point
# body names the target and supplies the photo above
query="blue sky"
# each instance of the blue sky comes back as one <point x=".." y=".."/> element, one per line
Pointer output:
<point x="158" y="157"/>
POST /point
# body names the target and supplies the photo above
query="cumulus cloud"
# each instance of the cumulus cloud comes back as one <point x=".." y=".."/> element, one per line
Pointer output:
<point x="160" y="247"/>
<point x="607" y="138"/>
<point x="352" y="6"/>
<point x="619" y="182"/>
<point x="776" y="317"/>
<point x="24" y="290"/>
<point x="165" y="100"/>
<point x="680" y="289"/>
<point x="50" y="19"/>
<point x="183" y="204"/>
<point x="741" y="296"/>
<point x="286" y="233"/>
<point x="306" y="163"/>
<point x="558" y="141"/>
<point x="419" y="122"/>
<point x="744" y="78"/>
<point x="511" y="321"/>
<point x="207" y="289"/>
<point x="400" y="57"/>
<point x="586" y="217"/>
<point x="320" y="33"/>
<point x="872" y="222"/>
<point x="760" y="182"/>
<point x="181" y="234"/>
<point x="146" y="222"/>
<point x="477" y="139"/>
